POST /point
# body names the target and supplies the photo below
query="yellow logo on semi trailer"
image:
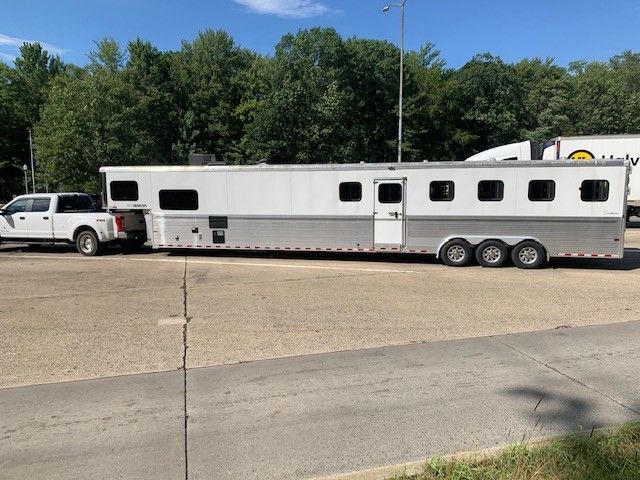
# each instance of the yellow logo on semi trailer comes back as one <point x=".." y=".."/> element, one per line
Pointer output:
<point x="581" y="155"/>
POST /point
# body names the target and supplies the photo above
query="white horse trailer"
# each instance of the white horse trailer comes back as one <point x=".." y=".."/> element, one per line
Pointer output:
<point x="585" y="147"/>
<point x="534" y="210"/>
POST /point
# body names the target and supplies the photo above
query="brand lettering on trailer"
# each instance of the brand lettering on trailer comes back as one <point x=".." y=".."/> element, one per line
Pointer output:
<point x="634" y="161"/>
<point x="587" y="155"/>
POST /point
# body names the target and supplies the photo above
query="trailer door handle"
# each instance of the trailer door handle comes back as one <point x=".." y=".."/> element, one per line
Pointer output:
<point x="393" y="214"/>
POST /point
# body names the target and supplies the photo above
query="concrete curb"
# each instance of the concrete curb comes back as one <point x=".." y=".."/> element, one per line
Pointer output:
<point x="414" y="468"/>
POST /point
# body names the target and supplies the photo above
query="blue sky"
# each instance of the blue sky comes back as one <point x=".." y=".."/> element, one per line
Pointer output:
<point x="563" y="29"/>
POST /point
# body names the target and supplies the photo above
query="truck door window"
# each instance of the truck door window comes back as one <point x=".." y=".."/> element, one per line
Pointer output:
<point x="18" y="206"/>
<point x="40" y="205"/>
<point x="124" y="190"/>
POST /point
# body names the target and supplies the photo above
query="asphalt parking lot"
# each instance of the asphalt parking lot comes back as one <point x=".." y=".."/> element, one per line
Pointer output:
<point x="177" y="365"/>
<point x="66" y="317"/>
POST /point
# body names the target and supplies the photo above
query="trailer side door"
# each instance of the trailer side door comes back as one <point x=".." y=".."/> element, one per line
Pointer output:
<point x="389" y="213"/>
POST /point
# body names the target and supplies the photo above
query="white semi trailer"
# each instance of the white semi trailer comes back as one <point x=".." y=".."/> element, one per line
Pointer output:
<point x="591" y="147"/>
<point x="524" y="210"/>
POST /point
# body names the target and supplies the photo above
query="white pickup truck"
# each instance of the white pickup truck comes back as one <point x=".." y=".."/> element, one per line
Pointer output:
<point x="68" y="218"/>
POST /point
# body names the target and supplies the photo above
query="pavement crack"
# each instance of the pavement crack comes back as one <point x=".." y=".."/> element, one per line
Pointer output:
<point x="567" y="376"/>
<point x="184" y="368"/>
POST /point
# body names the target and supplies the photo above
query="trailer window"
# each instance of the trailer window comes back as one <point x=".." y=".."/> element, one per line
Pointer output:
<point x="178" y="200"/>
<point x="490" y="190"/>
<point x="124" y="190"/>
<point x="441" y="191"/>
<point x="542" y="190"/>
<point x="390" y="193"/>
<point x="40" y="205"/>
<point x="594" y="191"/>
<point x="350" y="191"/>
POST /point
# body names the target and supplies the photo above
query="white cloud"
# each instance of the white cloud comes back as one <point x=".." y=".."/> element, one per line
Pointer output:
<point x="15" y="43"/>
<point x="287" y="8"/>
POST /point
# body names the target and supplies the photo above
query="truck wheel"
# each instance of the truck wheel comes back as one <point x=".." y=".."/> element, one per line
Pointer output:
<point x="87" y="243"/>
<point x="456" y="253"/>
<point x="528" y="254"/>
<point x="491" y="253"/>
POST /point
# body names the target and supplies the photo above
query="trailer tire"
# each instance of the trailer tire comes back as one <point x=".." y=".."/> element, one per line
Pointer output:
<point x="456" y="253"/>
<point x="528" y="255"/>
<point x="87" y="243"/>
<point x="491" y="253"/>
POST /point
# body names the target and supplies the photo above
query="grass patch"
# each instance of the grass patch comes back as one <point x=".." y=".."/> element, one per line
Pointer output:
<point x="609" y="454"/>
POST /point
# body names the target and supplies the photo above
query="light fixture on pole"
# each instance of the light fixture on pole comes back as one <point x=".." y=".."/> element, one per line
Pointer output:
<point x="26" y="184"/>
<point x="385" y="9"/>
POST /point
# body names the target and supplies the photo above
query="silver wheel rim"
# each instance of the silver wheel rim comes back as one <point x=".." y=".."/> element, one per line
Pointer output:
<point x="456" y="253"/>
<point x="528" y="255"/>
<point x="86" y="244"/>
<point x="491" y="254"/>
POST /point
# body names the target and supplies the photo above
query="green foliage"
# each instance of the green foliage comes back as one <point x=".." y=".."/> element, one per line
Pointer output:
<point x="319" y="98"/>
<point x="607" y="455"/>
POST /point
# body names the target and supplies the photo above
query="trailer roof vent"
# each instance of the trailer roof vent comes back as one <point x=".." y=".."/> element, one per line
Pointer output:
<point x="198" y="159"/>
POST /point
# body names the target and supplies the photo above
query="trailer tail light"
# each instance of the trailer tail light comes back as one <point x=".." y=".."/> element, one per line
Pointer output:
<point x="119" y="224"/>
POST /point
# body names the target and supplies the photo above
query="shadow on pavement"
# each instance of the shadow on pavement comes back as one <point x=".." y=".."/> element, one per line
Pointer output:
<point x="631" y="260"/>
<point x="550" y="411"/>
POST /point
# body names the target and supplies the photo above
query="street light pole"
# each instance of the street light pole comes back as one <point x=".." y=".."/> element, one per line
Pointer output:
<point x="26" y="183"/>
<point x="401" y="6"/>
<point x="33" y="168"/>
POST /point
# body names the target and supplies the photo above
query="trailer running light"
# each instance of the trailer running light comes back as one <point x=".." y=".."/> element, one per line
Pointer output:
<point x="119" y="224"/>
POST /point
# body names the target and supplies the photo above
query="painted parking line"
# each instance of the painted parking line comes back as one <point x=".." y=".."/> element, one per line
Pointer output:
<point x="214" y="262"/>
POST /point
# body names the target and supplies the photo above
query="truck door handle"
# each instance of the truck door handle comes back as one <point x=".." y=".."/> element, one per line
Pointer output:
<point x="45" y="218"/>
<point x="21" y="218"/>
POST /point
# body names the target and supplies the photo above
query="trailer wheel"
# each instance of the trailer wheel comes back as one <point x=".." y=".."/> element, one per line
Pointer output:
<point x="491" y="253"/>
<point x="528" y="254"/>
<point x="456" y="253"/>
<point x="87" y="243"/>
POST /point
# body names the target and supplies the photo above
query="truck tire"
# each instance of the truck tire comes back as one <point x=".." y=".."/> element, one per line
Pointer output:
<point x="87" y="243"/>
<point x="528" y="255"/>
<point x="491" y="253"/>
<point x="456" y="253"/>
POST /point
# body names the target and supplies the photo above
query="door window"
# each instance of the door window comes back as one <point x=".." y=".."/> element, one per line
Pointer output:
<point x="18" y="206"/>
<point x="390" y="193"/>
<point x="40" y="205"/>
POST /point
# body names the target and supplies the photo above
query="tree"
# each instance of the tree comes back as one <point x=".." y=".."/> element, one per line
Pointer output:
<point x="426" y="131"/>
<point x="484" y="103"/>
<point x="208" y="83"/>
<point x="303" y="116"/>
<point x="547" y="99"/>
